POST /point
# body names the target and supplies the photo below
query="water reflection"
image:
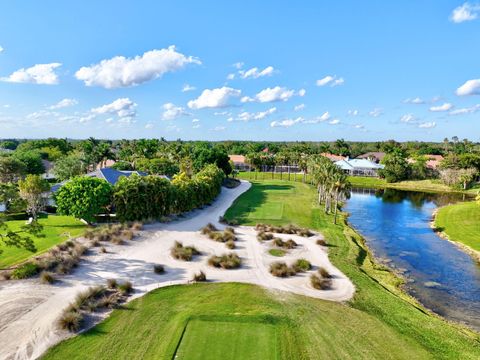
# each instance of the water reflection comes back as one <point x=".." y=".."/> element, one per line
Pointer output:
<point x="396" y="225"/>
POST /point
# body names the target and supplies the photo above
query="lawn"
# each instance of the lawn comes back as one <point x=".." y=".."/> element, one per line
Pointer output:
<point x="56" y="229"/>
<point x="461" y="223"/>
<point x="381" y="322"/>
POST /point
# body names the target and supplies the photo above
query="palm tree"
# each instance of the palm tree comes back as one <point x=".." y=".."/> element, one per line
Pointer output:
<point x="341" y="190"/>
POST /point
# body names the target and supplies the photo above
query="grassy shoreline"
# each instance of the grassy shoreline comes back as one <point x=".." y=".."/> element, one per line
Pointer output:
<point x="458" y="223"/>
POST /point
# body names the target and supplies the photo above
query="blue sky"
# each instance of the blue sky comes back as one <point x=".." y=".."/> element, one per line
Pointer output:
<point x="270" y="70"/>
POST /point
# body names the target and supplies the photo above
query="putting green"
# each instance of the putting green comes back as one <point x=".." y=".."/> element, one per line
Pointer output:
<point x="228" y="340"/>
<point x="267" y="211"/>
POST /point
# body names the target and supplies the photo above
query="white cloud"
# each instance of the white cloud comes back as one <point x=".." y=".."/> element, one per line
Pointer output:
<point x="120" y="71"/>
<point x="324" y="117"/>
<point x="172" y="112"/>
<point x="231" y="76"/>
<point x="219" y="128"/>
<point x="286" y="122"/>
<point x="302" y="92"/>
<point x="273" y="94"/>
<point x="408" y="118"/>
<point x="214" y="98"/>
<point x="246" y="99"/>
<point x="443" y="107"/>
<point x="299" y="107"/>
<point x="64" y="103"/>
<point x="188" y="87"/>
<point x="37" y="74"/>
<point x="238" y="65"/>
<point x="334" y="122"/>
<point x="376" y="112"/>
<point x="222" y="113"/>
<point x="465" y="12"/>
<point x="416" y="100"/>
<point x="246" y="116"/>
<point x="359" y="126"/>
<point x="255" y="73"/>
<point x="148" y="126"/>
<point x="330" y="80"/>
<point x="427" y="125"/>
<point x="471" y="87"/>
<point x="124" y="108"/>
<point x="463" y="111"/>
<point x="195" y="120"/>
<point x="352" y="112"/>
<point x="1" y="49"/>
<point x="196" y="126"/>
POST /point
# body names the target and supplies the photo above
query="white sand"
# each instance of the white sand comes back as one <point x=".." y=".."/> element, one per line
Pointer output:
<point x="29" y="310"/>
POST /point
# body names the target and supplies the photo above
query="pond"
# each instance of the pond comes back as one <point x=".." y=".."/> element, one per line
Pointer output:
<point x="396" y="226"/>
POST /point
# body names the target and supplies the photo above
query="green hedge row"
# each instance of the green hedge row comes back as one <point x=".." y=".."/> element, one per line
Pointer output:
<point x="152" y="197"/>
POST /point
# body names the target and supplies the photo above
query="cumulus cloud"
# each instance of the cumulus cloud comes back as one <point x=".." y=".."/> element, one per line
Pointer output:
<point x="376" y="112"/>
<point x="427" y="125"/>
<point x="238" y="65"/>
<point x="255" y="73"/>
<point x="287" y="122"/>
<point x="188" y="87"/>
<point x="64" y="103"/>
<point x="124" y="108"/>
<point x="352" y="112"/>
<point x="465" y="12"/>
<point x="172" y="112"/>
<point x="443" y="107"/>
<point x="273" y="94"/>
<point x="324" y="117"/>
<point x="247" y="116"/>
<point x="231" y="76"/>
<point x="334" y="122"/>
<point x="1" y="49"/>
<point x="120" y="71"/>
<point x="37" y="74"/>
<point x="195" y="120"/>
<point x="149" y="126"/>
<point x="407" y="118"/>
<point x="299" y="107"/>
<point x="214" y="98"/>
<point x="219" y="128"/>
<point x="416" y="100"/>
<point x="471" y="87"/>
<point x="467" y="110"/>
<point x="330" y="81"/>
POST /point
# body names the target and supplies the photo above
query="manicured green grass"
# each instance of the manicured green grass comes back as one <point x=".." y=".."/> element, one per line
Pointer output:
<point x="228" y="340"/>
<point x="56" y="229"/>
<point x="381" y="322"/>
<point x="277" y="252"/>
<point x="461" y="223"/>
<point x="269" y="211"/>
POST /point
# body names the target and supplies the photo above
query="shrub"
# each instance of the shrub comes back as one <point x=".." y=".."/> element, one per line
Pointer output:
<point x="83" y="299"/>
<point x="289" y="244"/>
<point x="230" y="229"/>
<point x="70" y="320"/>
<point x="137" y="226"/>
<point x="47" y="277"/>
<point x="128" y="234"/>
<point x="103" y="250"/>
<point x="226" y="261"/>
<point x="179" y="252"/>
<point x="288" y="229"/>
<point x="125" y="287"/>
<point x="320" y="283"/>
<point x="158" y="269"/>
<point x="108" y="301"/>
<point x="112" y="283"/>
<point x="208" y="229"/>
<point x="78" y="250"/>
<point x="263" y="236"/>
<point x="281" y="269"/>
<point x="199" y="277"/>
<point x="230" y="244"/>
<point x="321" y="242"/>
<point x="25" y="271"/>
<point x="324" y="273"/>
<point x="302" y="265"/>
<point x="276" y="252"/>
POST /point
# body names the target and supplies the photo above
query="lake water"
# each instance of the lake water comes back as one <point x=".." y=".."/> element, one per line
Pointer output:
<point x="396" y="226"/>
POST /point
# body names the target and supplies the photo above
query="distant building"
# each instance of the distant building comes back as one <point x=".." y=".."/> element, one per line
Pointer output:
<point x="239" y="162"/>
<point x="359" y="167"/>
<point x="333" y="157"/>
<point x="433" y="161"/>
<point x="105" y="164"/>
<point x="49" y="173"/>
<point x="375" y="156"/>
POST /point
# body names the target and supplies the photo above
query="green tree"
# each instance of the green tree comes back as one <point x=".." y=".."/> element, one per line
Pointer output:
<point x="33" y="190"/>
<point x="11" y="169"/>
<point x="19" y="238"/>
<point x="69" y="166"/>
<point x="32" y="160"/>
<point x="84" y="197"/>
<point x="396" y="166"/>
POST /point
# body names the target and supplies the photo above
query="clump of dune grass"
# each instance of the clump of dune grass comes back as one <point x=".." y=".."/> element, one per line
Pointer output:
<point x="281" y="269"/>
<point x="264" y="236"/>
<point x="70" y="320"/>
<point x="302" y="265"/>
<point x="185" y="253"/>
<point x="287" y="229"/>
<point x="225" y="261"/>
<point x="230" y="244"/>
<point x="289" y="244"/>
<point x="320" y="283"/>
<point x="158" y="269"/>
<point x="199" y="277"/>
<point x="125" y="287"/>
<point x="324" y="273"/>
<point x="47" y="277"/>
<point x="112" y="283"/>
<point x="321" y="242"/>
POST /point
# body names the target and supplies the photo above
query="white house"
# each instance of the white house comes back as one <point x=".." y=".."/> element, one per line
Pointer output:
<point x="359" y="167"/>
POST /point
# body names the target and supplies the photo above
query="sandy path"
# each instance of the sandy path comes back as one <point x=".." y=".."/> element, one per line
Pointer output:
<point x="28" y="310"/>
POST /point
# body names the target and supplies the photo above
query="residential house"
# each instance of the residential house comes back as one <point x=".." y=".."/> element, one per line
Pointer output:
<point x="333" y="157"/>
<point x="239" y="162"/>
<point x="375" y="156"/>
<point x="359" y="167"/>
